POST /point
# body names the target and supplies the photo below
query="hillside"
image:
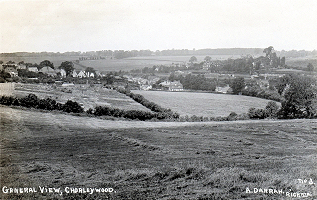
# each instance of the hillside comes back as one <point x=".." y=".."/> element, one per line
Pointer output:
<point x="150" y="160"/>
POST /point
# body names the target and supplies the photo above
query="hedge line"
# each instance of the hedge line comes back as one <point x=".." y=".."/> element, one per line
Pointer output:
<point x="163" y="113"/>
<point x="32" y="101"/>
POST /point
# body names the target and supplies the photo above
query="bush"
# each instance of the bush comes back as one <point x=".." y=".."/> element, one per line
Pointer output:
<point x="7" y="100"/>
<point x="72" y="106"/>
<point x="272" y="109"/>
<point x="232" y="116"/>
<point x="31" y="101"/>
<point x="257" y="113"/>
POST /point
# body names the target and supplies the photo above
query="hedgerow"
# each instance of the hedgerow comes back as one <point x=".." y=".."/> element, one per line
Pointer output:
<point x="32" y="101"/>
<point x="162" y="113"/>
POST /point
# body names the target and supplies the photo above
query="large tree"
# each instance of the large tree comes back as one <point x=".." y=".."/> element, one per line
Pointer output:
<point x="300" y="97"/>
<point x="68" y="67"/>
<point x="268" y="51"/>
<point x="193" y="59"/>
<point x="46" y="63"/>
<point x="310" y="67"/>
<point x="237" y="85"/>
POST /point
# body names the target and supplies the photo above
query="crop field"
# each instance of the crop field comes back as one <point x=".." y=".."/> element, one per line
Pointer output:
<point x="203" y="104"/>
<point x="88" y="96"/>
<point x="156" y="160"/>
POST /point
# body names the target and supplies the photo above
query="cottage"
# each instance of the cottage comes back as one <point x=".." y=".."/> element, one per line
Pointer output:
<point x="81" y="74"/>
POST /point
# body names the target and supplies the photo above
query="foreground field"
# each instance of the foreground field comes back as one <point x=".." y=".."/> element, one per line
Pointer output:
<point x="156" y="160"/>
<point x="203" y="104"/>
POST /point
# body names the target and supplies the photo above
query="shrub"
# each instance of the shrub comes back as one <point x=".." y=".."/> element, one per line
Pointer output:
<point x="7" y="100"/>
<point x="72" y="106"/>
<point x="232" y="116"/>
<point x="257" y="113"/>
<point x="31" y="101"/>
<point x="272" y="109"/>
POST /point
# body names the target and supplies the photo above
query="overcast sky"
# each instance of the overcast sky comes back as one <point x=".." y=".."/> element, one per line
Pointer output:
<point x="84" y="25"/>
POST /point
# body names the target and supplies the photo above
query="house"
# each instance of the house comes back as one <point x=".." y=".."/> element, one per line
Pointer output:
<point x="145" y="87"/>
<point x="63" y="73"/>
<point x="48" y="70"/>
<point x="81" y="74"/>
<point x="21" y="66"/>
<point x="172" y="86"/>
<point x="33" y="69"/>
<point x="224" y="90"/>
<point x="74" y="74"/>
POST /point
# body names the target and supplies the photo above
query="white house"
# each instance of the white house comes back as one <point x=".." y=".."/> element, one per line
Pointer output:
<point x="81" y="74"/>
<point x="33" y="69"/>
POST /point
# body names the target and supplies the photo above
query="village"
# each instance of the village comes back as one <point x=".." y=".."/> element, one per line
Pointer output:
<point x="155" y="78"/>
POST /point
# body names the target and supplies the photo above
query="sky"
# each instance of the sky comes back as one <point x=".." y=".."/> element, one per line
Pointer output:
<point x="89" y="25"/>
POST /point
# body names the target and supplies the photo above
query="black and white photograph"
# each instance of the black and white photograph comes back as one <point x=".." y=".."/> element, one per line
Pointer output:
<point x="158" y="99"/>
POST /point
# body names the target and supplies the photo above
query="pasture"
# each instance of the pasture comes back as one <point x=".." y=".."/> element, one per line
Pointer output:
<point x="203" y="104"/>
<point x="155" y="160"/>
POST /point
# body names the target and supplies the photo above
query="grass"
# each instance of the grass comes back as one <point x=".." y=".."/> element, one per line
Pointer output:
<point x="150" y="160"/>
<point x="203" y="104"/>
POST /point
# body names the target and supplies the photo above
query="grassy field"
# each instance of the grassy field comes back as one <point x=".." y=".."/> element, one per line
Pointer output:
<point x="126" y="64"/>
<point x="149" y="160"/>
<point x="203" y="104"/>
<point x="88" y="96"/>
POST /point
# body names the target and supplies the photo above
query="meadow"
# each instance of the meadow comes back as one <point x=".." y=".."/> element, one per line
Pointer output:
<point x="203" y="104"/>
<point x="156" y="160"/>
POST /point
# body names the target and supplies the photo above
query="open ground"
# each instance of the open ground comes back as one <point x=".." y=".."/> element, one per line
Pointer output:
<point x="156" y="160"/>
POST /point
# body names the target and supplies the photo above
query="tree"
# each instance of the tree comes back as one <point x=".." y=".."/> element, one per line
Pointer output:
<point x="237" y="85"/>
<point x="193" y="59"/>
<point x="90" y="70"/>
<point x="268" y="51"/>
<point x="310" y="67"/>
<point x="283" y="61"/>
<point x="10" y="62"/>
<point x="300" y="97"/>
<point x="46" y="63"/>
<point x="68" y="67"/>
<point x="207" y="59"/>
